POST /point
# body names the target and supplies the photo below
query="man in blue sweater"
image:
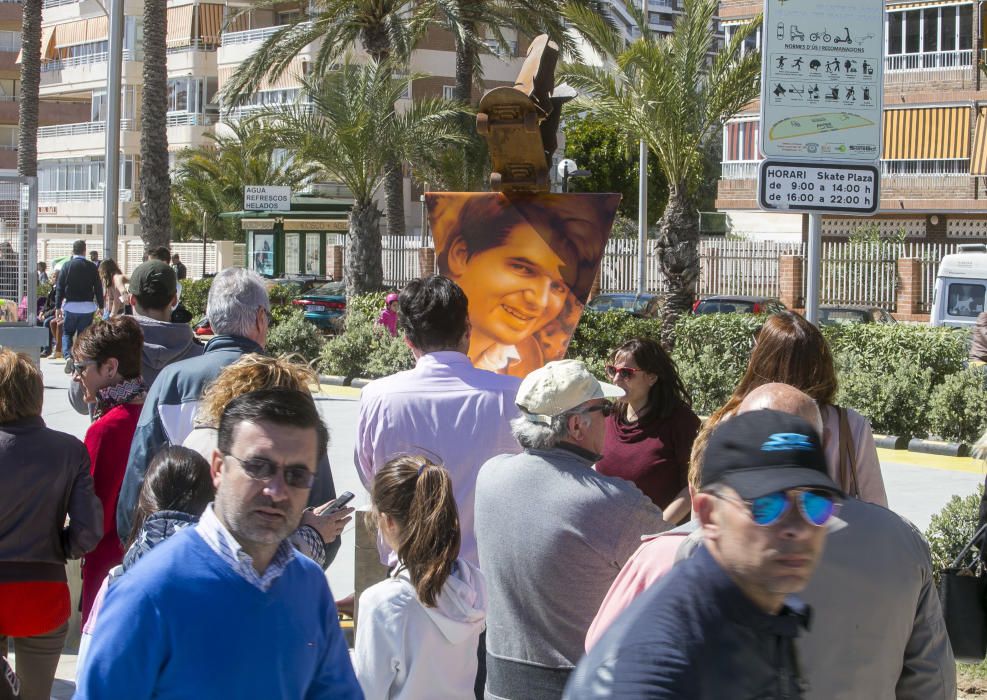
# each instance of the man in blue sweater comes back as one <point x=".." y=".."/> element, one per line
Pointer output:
<point x="228" y="609"/>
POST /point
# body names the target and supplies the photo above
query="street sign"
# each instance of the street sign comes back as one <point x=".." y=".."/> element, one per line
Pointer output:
<point x="822" y="80"/>
<point x="266" y="198"/>
<point x="833" y="188"/>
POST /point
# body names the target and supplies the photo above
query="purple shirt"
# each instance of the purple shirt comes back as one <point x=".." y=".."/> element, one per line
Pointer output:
<point x="446" y="407"/>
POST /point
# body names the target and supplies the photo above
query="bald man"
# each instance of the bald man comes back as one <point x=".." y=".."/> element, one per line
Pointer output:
<point x="877" y="629"/>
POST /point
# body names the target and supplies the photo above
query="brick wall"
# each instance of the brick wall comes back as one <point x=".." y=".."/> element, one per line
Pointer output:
<point x="790" y="280"/>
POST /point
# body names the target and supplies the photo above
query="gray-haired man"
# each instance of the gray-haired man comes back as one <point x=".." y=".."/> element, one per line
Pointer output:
<point x="552" y="533"/>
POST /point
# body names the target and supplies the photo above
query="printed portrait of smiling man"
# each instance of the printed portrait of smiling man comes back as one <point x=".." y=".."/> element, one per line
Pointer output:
<point x="526" y="263"/>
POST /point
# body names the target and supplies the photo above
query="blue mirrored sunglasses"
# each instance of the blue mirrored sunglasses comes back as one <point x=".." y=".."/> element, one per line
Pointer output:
<point x="817" y="507"/>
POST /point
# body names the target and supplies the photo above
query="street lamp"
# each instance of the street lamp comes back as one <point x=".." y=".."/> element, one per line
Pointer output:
<point x="567" y="168"/>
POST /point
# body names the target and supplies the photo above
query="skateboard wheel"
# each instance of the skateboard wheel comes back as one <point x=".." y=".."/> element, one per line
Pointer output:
<point x="496" y="181"/>
<point x="482" y="123"/>
<point x="530" y="122"/>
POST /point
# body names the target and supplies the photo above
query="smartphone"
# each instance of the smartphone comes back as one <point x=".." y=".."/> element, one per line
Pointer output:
<point x="341" y="501"/>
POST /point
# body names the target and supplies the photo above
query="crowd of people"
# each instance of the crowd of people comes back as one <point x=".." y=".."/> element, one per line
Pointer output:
<point x="552" y="536"/>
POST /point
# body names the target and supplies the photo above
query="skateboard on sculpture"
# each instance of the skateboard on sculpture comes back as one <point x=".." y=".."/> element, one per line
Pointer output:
<point x="509" y="120"/>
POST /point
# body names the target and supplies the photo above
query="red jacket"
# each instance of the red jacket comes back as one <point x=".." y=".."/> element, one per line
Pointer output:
<point x="108" y="441"/>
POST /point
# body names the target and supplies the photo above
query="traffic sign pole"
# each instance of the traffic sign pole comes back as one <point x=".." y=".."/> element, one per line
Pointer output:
<point x="815" y="269"/>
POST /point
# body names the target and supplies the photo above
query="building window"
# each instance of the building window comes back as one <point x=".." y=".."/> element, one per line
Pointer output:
<point x="449" y="92"/>
<point x="751" y="43"/>
<point x="930" y="30"/>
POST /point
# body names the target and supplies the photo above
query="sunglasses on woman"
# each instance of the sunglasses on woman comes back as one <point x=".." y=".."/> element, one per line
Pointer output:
<point x="817" y="507"/>
<point x="614" y="372"/>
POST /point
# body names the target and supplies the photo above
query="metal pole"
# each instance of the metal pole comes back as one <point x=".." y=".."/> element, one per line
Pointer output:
<point x="111" y="159"/>
<point x="204" y="238"/>
<point x="814" y="269"/>
<point x="642" y="197"/>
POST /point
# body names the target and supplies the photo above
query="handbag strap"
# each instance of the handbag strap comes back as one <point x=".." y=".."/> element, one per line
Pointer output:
<point x="976" y="536"/>
<point x="848" y="455"/>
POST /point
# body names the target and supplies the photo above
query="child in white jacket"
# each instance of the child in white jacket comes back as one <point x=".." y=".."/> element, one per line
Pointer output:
<point x="419" y="630"/>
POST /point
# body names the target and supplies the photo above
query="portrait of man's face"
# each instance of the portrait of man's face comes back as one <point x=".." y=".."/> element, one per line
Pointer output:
<point x="526" y="264"/>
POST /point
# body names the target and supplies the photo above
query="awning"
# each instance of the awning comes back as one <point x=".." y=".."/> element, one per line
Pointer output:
<point x="978" y="163"/>
<point x="934" y="133"/>
<point x="290" y="79"/>
<point x="210" y="22"/>
<point x="742" y="140"/>
<point x="47" y="45"/>
<point x="894" y="7"/>
<point x="180" y="26"/>
<point x="84" y="31"/>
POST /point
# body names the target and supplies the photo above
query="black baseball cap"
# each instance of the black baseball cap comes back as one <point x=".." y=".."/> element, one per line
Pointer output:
<point x="760" y="452"/>
<point x="154" y="278"/>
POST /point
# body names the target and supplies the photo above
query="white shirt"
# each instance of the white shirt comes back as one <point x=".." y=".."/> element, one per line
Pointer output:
<point x="224" y="544"/>
<point x="446" y="407"/>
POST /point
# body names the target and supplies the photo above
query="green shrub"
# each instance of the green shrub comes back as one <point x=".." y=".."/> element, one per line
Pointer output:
<point x="281" y="296"/>
<point x="958" y="406"/>
<point x="295" y="335"/>
<point x="711" y="354"/>
<point x="43" y="289"/>
<point x="195" y="294"/>
<point x="365" y="307"/>
<point x="951" y="528"/>
<point x="365" y="349"/>
<point x="598" y="333"/>
<point x="894" y="399"/>
<point x="883" y="347"/>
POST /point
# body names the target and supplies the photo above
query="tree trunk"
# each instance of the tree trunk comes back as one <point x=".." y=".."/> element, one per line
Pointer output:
<point x="155" y="181"/>
<point x="394" y="198"/>
<point x="465" y="62"/>
<point x="363" y="269"/>
<point x="678" y="257"/>
<point x="27" y="127"/>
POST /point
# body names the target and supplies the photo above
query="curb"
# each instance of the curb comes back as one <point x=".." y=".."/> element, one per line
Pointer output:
<point x="891" y="442"/>
<point x="355" y="382"/>
<point x="935" y="447"/>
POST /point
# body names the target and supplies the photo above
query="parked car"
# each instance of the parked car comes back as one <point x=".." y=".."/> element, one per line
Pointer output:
<point x="641" y="305"/>
<point x="726" y="304"/>
<point x="961" y="287"/>
<point x="838" y="315"/>
<point x="324" y="306"/>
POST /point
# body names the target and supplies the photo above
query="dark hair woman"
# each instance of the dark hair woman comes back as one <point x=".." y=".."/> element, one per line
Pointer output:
<point x="649" y="437"/>
<point x="792" y="351"/>
<point x="419" y="630"/>
<point x="44" y="478"/>
<point x="108" y="364"/>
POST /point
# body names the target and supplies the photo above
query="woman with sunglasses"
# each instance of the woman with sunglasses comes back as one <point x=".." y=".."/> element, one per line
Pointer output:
<point x="107" y="363"/>
<point x="649" y="436"/>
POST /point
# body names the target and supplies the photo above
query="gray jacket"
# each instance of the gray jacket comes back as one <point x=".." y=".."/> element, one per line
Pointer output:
<point x="164" y="343"/>
<point x="44" y="476"/>
<point x="877" y="628"/>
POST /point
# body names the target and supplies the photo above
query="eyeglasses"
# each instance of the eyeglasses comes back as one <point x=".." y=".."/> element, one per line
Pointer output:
<point x="79" y="366"/>
<point x="297" y="477"/>
<point x="622" y="372"/>
<point x="817" y="507"/>
<point x="605" y="408"/>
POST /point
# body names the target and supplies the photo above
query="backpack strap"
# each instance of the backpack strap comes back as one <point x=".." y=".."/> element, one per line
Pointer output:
<point x="848" y="456"/>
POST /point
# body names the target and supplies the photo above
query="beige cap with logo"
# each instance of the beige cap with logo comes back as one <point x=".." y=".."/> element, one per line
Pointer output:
<point x="559" y="387"/>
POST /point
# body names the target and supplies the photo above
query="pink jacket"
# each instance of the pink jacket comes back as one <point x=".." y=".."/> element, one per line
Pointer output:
<point x="652" y="560"/>
<point x="389" y="320"/>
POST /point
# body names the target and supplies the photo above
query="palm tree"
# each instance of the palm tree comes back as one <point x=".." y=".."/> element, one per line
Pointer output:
<point x="350" y="133"/>
<point x="210" y="179"/>
<point x="155" y="183"/>
<point x="27" y="127"/>
<point x="383" y="28"/>
<point x="675" y="94"/>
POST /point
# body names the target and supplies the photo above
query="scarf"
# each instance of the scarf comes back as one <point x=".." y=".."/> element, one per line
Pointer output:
<point x="125" y="392"/>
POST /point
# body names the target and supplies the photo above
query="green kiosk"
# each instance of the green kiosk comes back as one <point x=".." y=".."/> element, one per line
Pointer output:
<point x="293" y="243"/>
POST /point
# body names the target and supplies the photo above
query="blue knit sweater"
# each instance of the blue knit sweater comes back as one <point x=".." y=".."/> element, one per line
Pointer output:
<point x="183" y="624"/>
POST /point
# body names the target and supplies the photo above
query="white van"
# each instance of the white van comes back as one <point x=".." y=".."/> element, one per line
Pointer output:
<point x="961" y="287"/>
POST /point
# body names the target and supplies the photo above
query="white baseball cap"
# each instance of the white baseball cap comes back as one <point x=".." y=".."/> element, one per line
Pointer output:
<point x="559" y="387"/>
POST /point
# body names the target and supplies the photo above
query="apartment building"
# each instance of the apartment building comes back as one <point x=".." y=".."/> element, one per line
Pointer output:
<point x="206" y="43"/>
<point x="934" y="158"/>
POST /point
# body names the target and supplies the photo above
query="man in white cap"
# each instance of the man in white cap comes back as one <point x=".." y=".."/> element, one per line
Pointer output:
<point x="552" y="533"/>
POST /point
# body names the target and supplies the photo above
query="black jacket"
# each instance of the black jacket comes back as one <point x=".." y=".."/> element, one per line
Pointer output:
<point x="78" y="280"/>
<point x="694" y="636"/>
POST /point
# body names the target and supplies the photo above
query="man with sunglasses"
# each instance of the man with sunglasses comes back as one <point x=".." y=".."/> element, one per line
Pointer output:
<point x="228" y="608"/>
<point x="552" y="533"/>
<point x="723" y="623"/>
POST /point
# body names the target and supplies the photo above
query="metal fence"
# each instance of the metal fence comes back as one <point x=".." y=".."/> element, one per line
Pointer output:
<point x="131" y="253"/>
<point x="17" y="273"/>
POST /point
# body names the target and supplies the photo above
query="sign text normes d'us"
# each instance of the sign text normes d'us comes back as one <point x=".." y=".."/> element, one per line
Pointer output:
<point x="266" y="198"/>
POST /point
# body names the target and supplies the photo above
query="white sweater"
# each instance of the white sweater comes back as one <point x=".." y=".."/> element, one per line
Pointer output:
<point x="405" y="650"/>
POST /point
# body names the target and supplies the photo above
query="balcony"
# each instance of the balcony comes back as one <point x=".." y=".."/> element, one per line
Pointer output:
<point x="933" y="60"/>
<point x="81" y="196"/>
<point x="249" y="36"/>
<point x="80" y="128"/>
<point x="739" y="170"/>
<point x="76" y="61"/>
<point x="73" y="140"/>
<point x="48" y="4"/>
